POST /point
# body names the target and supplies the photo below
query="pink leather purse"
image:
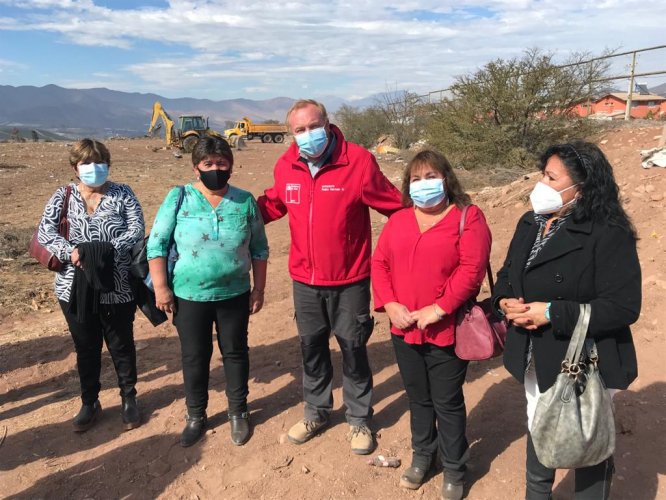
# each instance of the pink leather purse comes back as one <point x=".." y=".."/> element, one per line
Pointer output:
<point x="479" y="333"/>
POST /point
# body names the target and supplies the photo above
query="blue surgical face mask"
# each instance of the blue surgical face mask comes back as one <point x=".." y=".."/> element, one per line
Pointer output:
<point x="313" y="142"/>
<point x="93" y="174"/>
<point x="427" y="193"/>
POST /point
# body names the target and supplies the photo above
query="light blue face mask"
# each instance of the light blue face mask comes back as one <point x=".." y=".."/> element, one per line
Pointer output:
<point x="427" y="193"/>
<point x="313" y="142"/>
<point x="93" y="174"/>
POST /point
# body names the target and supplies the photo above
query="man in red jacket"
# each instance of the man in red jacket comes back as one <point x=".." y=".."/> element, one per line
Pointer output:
<point x="327" y="185"/>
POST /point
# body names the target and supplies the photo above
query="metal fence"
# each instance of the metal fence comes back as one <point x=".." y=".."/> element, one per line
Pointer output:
<point x="630" y="68"/>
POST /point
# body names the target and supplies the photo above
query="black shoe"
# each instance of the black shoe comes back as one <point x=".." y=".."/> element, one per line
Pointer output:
<point x="452" y="491"/>
<point x="130" y="413"/>
<point x="87" y="416"/>
<point x="413" y="477"/>
<point x="240" y="428"/>
<point x="194" y="429"/>
<point x="415" y="474"/>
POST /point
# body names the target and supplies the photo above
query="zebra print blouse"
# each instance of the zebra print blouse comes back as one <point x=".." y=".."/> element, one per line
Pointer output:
<point x="541" y="240"/>
<point x="117" y="219"/>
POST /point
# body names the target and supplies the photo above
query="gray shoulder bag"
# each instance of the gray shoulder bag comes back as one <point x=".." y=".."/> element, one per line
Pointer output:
<point x="574" y="424"/>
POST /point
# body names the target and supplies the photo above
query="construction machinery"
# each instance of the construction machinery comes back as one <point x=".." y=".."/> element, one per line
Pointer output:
<point x="190" y="128"/>
<point x="268" y="132"/>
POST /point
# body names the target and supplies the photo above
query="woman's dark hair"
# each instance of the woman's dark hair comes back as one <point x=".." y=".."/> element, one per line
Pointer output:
<point x="438" y="162"/>
<point x="600" y="195"/>
<point x="207" y="146"/>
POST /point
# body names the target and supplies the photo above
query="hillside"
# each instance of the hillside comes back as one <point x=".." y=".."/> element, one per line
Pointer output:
<point x="103" y="112"/>
<point x="40" y="457"/>
<point x="106" y="113"/>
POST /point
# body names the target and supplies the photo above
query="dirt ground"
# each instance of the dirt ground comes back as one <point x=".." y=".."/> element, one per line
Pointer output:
<point x="40" y="456"/>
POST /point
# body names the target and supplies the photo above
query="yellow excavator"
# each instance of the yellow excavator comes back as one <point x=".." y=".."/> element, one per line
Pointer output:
<point x="190" y="129"/>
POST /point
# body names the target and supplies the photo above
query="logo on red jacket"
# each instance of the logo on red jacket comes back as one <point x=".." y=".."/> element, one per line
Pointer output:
<point x="293" y="194"/>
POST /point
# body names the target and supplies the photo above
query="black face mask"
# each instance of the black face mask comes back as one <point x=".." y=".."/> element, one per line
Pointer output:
<point x="214" y="179"/>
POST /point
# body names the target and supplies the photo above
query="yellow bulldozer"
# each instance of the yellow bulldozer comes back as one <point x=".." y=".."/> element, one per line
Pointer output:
<point x="190" y="129"/>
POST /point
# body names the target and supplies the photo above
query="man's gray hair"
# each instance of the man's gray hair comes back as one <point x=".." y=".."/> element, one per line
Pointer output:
<point x="301" y="103"/>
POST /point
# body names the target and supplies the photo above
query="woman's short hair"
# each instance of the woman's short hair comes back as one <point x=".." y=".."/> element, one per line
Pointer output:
<point x="588" y="167"/>
<point x="207" y="146"/>
<point x="438" y="162"/>
<point x="89" y="151"/>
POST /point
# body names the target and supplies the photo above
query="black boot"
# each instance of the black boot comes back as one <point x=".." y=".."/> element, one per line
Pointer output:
<point x="194" y="429"/>
<point x="451" y="491"/>
<point x="414" y="475"/>
<point x="130" y="413"/>
<point x="240" y="428"/>
<point x="87" y="416"/>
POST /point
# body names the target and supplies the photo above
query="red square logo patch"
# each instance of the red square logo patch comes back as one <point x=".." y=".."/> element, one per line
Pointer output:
<point x="293" y="194"/>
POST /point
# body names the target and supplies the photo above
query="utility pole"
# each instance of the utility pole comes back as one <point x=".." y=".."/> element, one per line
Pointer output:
<point x="627" y="111"/>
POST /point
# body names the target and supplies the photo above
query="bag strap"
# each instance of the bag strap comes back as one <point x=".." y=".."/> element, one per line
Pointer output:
<point x="63" y="224"/>
<point x="489" y="270"/>
<point x="577" y="342"/>
<point x="179" y="203"/>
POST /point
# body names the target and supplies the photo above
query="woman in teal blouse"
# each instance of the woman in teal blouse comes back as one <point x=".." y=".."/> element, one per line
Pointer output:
<point x="219" y="234"/>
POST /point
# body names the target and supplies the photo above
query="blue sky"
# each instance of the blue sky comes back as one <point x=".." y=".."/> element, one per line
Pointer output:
<point x="350" y="49"/>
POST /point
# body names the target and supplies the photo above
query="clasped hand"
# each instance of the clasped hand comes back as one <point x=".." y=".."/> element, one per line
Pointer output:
<point x="403" y="318"/>
<point x="529" y="316"/>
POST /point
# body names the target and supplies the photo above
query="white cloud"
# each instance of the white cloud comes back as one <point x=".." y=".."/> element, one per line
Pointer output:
<point x="337" y="47"/>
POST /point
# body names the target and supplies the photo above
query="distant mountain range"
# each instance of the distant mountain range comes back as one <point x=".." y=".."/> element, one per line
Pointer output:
<point x="659" y="89"/>
<point x="102" y="112"/>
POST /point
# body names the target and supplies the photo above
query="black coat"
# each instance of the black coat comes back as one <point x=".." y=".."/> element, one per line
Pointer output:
<point x="584" y="262"/>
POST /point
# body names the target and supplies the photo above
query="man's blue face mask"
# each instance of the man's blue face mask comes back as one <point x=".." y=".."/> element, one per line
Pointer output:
<point x="312" y="143"/>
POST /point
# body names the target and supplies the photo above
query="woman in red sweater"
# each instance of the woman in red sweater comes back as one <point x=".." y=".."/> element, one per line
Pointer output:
<point x="422" y="271"/>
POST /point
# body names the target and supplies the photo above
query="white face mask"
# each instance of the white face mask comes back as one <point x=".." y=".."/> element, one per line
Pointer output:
<point x="546" y="200"/>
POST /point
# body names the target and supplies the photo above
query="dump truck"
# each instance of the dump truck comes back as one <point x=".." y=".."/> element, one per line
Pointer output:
<point x="268" y="132"/>
<point x="190" y="128"/>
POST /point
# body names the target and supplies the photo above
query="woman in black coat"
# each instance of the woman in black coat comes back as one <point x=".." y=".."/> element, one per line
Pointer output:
<point x="576" y="246"/>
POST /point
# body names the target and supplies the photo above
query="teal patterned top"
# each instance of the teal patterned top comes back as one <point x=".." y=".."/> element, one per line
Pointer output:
<point x="216" y="246"/>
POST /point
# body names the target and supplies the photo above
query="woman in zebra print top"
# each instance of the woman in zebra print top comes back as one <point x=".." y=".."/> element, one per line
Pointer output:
<point x="98" y="211"/>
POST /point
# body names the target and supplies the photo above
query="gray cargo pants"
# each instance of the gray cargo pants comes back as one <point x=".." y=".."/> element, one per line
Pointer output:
<point x="345" y="311"/>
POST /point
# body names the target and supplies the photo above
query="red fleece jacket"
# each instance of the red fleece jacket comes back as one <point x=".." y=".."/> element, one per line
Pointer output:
<point x="329" y="215"/>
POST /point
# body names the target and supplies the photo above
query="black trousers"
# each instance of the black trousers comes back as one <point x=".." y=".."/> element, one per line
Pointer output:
<point x="591" y="483"/>
<point x="113" y="325"/>
<point x="433" y="377"/>
<point x="194" y="322"/>
<point x="345" y="311"/>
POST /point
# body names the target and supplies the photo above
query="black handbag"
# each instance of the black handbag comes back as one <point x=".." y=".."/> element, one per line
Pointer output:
<point x="139" y="252"/>
<point x="143" y="289"/>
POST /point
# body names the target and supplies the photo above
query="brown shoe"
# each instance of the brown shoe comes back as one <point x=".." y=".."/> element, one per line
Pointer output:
<point x="305" y="430"/>
<point x="361" y="439"/>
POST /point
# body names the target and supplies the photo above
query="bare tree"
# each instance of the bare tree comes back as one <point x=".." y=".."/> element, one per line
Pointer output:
<point x="402" y="111"/>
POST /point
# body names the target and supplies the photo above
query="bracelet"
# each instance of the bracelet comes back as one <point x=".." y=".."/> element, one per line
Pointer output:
<point x="439" y="316"/>
<point x="260" y="290"/>
<point x="546" y="313"/>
